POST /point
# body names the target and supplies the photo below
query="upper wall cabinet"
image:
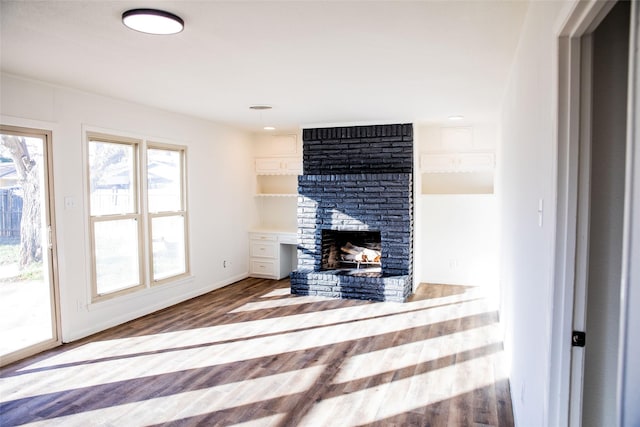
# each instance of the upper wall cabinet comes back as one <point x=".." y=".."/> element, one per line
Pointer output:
<point x="457" y="162"/>
<point x="278" y="163"/>
<point x="456" y="139"/>
<point x="278" y="166"/>
<point x="278" y="146"/>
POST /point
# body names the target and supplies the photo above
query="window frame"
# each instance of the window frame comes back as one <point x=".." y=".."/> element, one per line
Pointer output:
<point x="182" y="150"/>
<point x="141" y="213"/>
<point x="136" y="214"/>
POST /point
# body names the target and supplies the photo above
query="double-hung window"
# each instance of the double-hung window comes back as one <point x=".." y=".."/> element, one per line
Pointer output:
<point x="167" y="213"/>
<point x="137" y="206"/>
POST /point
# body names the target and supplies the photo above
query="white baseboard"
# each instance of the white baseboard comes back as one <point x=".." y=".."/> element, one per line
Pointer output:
<point x="145" y="310"/>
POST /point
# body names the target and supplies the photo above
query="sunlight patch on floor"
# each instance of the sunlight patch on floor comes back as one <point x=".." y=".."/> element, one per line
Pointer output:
<point x="198" y="402"/>
<point x="103" y="372"/>
<point x="407" y="355"/>
<point x="247" y="330"/>
<point x="277" y="293"/>
<point x="409" y="394"/>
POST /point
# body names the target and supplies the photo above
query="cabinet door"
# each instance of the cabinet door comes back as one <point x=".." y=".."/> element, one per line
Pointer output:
<point x="437" y="162"/>
<point x="268" y="166"/>
<point x="473" y="162"/>
<point x="457" y="139"/>
<point x="292" y="166"/>
<point x="284" y="144"/>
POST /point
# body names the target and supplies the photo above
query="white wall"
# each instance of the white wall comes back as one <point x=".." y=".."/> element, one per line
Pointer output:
<point x="221" y="206"/>
<point x="527" y="169"/>
<point x="458" y="240"/>
<point x="457" y="234"/>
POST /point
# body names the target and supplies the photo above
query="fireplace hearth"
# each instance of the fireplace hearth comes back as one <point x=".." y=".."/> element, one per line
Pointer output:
<point x="355" y="213"/>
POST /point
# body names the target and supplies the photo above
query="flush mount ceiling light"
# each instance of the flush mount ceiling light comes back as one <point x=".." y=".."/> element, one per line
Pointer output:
<point x="457" y="117"/>
<point x="152" y="21"/>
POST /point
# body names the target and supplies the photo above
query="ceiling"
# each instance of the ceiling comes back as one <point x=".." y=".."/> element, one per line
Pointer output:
<point x="315" y="62"/>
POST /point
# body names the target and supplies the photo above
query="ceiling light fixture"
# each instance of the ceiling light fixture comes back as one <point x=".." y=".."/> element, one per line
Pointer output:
<point x="152" y="21"/>
<point x="456" y="117"/>
<point x="261" y="108"/>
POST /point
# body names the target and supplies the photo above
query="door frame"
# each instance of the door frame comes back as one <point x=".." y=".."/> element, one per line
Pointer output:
<point x="49" y="211"/>
<point x="629" y="337"/>
<point x="571" y="245"/>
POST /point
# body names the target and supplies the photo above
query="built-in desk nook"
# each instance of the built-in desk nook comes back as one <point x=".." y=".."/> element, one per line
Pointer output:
<point x="272" y="253"/>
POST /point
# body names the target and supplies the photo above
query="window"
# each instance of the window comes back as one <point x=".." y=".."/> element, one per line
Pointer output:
<point x="125" y="213"/>
<point x="167" y="215"/>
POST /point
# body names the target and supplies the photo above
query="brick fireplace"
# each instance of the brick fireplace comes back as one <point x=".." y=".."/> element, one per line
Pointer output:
<point x="357" y="186"/>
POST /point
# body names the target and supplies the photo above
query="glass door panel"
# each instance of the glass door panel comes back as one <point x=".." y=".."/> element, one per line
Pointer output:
<point x="27" y="303"/>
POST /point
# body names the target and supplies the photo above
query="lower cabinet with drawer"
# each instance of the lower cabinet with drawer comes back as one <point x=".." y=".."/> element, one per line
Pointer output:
<point x="272" y="254"/>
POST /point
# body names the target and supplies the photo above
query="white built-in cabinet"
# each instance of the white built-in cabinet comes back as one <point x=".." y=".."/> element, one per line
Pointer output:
<point x="278" y="165"/>
<point x="273" y="241"/>
<point x="457" y="162"/>
<point x="456" y="165"/>
<point x="277" y="169"/>
<point x="271" y="254"/>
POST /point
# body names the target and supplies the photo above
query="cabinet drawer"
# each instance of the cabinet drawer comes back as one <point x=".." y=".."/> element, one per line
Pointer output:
<point x="263" y="249"/>
<point x="263" y="237"/>
<point x="263" y="268"/>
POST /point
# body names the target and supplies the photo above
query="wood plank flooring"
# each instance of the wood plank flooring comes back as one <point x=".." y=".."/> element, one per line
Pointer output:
<point x="251" y="354"/>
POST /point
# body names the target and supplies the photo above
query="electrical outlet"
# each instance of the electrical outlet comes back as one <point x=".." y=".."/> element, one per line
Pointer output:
<point x="225" y="264"/>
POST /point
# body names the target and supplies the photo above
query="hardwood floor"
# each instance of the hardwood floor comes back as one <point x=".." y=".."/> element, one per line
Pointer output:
<point x="251" y="354"/>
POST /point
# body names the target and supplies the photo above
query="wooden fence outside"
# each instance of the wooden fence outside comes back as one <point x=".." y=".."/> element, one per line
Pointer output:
<point x="10" y="212"/>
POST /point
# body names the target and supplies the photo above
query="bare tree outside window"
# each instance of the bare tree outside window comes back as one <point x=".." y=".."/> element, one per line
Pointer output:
<point x="28" y="173"/>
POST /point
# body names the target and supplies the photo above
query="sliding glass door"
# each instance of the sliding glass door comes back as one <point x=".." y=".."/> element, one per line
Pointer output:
<point x="28" y="297"/>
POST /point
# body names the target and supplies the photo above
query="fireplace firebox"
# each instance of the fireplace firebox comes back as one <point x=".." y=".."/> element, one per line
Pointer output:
<point x="351" y="252"/>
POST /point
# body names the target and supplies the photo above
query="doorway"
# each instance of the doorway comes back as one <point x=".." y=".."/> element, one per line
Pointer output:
<point x="596" y="118"/>
<point x="607" y="70"/>
<point x="29" y="308"/>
